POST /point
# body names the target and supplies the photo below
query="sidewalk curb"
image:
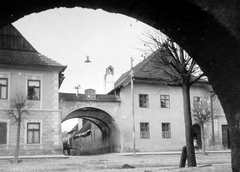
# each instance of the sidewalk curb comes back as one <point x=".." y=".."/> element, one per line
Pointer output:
<point x="35" y="157"/>
<point x="168" y="153"/>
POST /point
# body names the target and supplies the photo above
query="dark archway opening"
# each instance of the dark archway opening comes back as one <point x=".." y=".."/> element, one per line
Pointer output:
<point x="95" y="133"/>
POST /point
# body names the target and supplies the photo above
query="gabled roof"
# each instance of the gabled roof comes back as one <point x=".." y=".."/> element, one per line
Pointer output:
<point x="145" y="70"/>
<point x="17" y="52"/>
<point x="75" y="128"/>
<point x="150" y="69"/>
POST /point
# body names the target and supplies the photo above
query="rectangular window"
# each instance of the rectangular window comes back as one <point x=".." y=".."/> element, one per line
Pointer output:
<point x="143" y="100"/>
<point x="3" y="133"/>
<point x="144" y="130"/>
<point x="3" y="88"/>
<point x="165" y="101"/>
<point x="197" y="102"/>
<point x="33" y="133"/>
<point x="33" y="90"/>
<point x="166" y="130"/>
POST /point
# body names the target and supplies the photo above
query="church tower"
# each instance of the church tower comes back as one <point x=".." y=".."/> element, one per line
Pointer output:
<point x="109" y="79"/>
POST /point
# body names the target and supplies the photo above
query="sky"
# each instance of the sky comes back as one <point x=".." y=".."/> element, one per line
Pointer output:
<point x="68" y="36"/>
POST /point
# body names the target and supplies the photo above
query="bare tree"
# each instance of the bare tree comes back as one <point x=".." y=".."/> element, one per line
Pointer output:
<point x="181" y="70"/>
<point x="201" y="116"/>
<point x="18" y="110"/>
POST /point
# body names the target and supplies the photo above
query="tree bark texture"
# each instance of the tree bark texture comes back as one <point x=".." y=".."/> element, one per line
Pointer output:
<point x="235" y="147"/>
<point x="202" y="138"/>
<point x="191" y="159"/>
<point x="17" y="141"/>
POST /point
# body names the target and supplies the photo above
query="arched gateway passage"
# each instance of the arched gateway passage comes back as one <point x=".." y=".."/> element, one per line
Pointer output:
<point x="207" y="30"/>
<point x="100" y="112"/>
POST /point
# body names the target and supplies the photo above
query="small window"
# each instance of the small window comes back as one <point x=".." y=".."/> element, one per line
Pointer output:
<point x="166" y="131"/>
<point x="144" y="130"/>
<point x="3" y="88"/>
<point x="33" y="133"/>
<point x="165" y="101"/>
<point x="143" y="100"/>
<point x="3" y="133"/>
<point x="197" y="102"/>
<point x="33" y="90"/>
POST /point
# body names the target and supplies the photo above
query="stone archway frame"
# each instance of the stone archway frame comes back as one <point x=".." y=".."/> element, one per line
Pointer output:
<point x="207" y="30"/>
<point x="102" y="120"/>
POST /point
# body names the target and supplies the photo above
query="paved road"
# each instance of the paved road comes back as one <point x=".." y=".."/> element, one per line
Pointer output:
<point x="219" y="162"/>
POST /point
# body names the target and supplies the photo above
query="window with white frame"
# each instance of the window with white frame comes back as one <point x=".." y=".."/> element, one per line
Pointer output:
<point x="33" y="89"/>
<point x="144" y="130"/>
<point x="165" y="101"/>
<point x="33" y="132"/>
<point x="197" y="102"/>
<point x="3" y="132"/>
<point x="166" y="130"/>
<point x="3" y="88"/>
<point x="143" y="100"/>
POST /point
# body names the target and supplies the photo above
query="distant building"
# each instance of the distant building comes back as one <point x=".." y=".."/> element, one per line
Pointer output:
<point x="24" y="70"/>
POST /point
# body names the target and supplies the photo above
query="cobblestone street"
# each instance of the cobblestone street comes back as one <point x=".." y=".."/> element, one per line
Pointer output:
<point x="219" y="162"/>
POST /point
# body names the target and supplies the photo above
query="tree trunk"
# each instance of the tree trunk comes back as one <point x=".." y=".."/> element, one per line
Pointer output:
<point x="17" y="141"/>
<point x="202" y="138"/>
<point x="191" y="159"/>
<point x="235" y="147"/>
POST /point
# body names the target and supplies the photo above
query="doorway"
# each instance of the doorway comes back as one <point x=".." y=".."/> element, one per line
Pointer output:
<point x="197" y="135"/>
<point x="225" y="137"/>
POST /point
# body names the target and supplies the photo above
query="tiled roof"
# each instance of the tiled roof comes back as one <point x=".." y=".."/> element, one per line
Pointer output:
<point x="75" y="128"/>
<point x="81" y="97"/>
<point x="146" y="70"/>
<point x="151" y="69"/>
<point x="85" y="127"/>
<point x="16" y="51"/>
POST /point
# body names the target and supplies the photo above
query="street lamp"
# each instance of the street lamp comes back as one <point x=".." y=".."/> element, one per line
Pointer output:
<point x="87" y="61"/>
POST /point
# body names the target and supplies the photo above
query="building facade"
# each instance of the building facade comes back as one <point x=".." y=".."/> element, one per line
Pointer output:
<point x="158" y="120"/>
<point x="25" y="72"/>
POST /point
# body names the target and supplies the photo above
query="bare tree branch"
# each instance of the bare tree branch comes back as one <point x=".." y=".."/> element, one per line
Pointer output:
<point x="18" y="108"/>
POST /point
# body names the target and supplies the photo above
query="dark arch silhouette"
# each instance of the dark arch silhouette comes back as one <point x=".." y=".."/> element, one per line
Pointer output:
<point x="106" y="124"/>
<point x="208" y="30"/>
